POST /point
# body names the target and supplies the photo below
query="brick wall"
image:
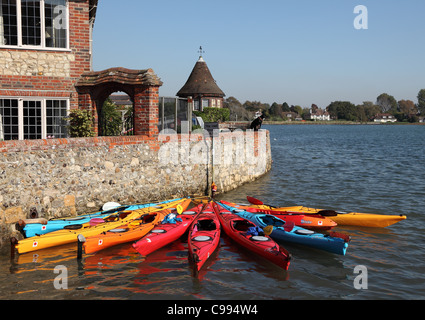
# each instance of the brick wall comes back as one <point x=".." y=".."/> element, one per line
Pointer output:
<point x="49" y="73"/>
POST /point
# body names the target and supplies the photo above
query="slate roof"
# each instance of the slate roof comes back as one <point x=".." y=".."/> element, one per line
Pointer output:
<point x="200" y="82"/>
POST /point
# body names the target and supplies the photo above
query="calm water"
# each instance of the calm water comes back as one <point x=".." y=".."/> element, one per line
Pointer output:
<point x="377" y="169"/>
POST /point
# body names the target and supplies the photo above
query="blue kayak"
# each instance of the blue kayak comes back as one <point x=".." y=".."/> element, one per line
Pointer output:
<point x="288" y="232"/>
<point x="31" y="230"/>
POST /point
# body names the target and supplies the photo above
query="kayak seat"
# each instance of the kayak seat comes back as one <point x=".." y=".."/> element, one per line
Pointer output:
<point x="242" y="225"/>
<point x="206" y="225"/>
<point x="147" y="218"/>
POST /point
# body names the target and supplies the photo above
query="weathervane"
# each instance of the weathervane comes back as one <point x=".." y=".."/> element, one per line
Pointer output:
<point x="201" y="52"/>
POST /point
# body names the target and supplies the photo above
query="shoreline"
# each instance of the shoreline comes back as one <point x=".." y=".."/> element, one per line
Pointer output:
<point x="247" y="123"/>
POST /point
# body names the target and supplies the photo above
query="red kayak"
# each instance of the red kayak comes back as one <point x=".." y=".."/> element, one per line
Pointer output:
<point x="313" y="222"/>
<point x="238" y="228"/>
<point x="204" y="236"/>
<point x="166" y="232"/>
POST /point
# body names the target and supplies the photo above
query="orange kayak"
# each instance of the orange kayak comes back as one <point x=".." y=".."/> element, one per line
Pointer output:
<point x="307" y="221"/>
<point x="130" y="231"/>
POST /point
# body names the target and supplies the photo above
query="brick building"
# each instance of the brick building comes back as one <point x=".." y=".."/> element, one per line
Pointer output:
<point x="46" y="70"/>
<point x="45" y="46"/>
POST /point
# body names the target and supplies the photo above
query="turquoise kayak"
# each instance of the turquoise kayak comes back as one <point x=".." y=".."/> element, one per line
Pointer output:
<point x="35" y="229"/>
<point x="287" y="232"/>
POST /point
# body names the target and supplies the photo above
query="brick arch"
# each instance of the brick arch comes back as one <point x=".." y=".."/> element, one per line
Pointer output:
<point x="141" y="86"/>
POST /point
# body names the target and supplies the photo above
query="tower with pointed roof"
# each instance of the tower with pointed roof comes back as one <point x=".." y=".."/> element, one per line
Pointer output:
<point x="202" y="87"/>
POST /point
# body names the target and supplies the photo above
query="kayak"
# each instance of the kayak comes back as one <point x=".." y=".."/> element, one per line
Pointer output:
<point x="29" y="229"/>
<point x="370" y="220"/>
<point x="204" y="236"/>
<point x="244" y="232"/>
<point x="341" y="218"/>
<point x="287" y="232"/>
<point x="166" y="232"/>
<point x="131" y="231"/>
<point x="313" y="222"/>
<point x="69" y="234"/>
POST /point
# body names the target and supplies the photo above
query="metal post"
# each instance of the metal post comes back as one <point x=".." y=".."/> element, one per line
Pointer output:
<point x="189" y="112"/>
<point x="175" y="113"/>
<point x="162" y="115"/>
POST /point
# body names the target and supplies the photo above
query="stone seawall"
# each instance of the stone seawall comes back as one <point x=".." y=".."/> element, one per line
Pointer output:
<point x="67" y="177"/>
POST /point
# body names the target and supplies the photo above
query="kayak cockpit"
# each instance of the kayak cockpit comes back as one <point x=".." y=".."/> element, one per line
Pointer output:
<point x="147" y="218"/>
<point x="270" y="220"/>
<point x="206" y="225"/>
<point x="242" y="225"/>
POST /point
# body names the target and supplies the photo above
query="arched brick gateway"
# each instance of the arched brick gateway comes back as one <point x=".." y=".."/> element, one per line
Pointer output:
<point x="141" y="86"/>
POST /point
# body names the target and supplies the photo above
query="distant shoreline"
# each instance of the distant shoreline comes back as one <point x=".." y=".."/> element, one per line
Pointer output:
<point x="247" y="123"/>
<point x="338" y="123"/>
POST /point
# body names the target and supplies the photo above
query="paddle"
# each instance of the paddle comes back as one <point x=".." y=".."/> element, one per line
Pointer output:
<point x="257" y="202"/>
<point x="288" y="226"/>
<point x="343" y="236"/>
<point x="179" y="209"/>
<point x="268" y="230"/>
<point x="24" y="222"/>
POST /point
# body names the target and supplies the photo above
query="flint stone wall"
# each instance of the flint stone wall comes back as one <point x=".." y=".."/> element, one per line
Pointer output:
<point x="67" y="177"/>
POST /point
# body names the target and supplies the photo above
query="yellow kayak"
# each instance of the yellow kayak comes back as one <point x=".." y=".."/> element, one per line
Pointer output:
<point x="65" y="236"/>
<point x="345" y="219"/>
<point x="371" y="220"/>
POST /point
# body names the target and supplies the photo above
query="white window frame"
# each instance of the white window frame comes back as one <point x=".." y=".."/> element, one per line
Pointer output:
<point x="43" y="112"/>
<point x="42" y="27"/>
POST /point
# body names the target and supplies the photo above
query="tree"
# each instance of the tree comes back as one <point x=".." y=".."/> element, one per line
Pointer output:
<point x="255" y="105"/>
<point x="285" y="107"/>
<point x="387" y="103"/>
<point x="370" y="110"/>
<point x="276" y="110"/>
<point x="298" y="110"/>
<point x="232" y="102"/>
<point x="237" y="111"/>
<point x="343" y="110"/>
<point x="407" y="107"/>
<point x="111" y="122"/>
<point x="306" y="113"/>
<point x="421" y="102"/>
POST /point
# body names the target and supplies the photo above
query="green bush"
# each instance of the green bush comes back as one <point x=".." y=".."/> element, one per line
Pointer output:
<point x="214" y="114"/>
<point x="80" y="123"/>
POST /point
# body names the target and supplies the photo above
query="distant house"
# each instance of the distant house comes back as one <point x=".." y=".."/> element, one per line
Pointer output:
<point x="291" y="116"/>
<point x="384" y="118"/>
<point x="121" y="100"/>
<point x="421" y="119"/>
<point x="318" y="114"/>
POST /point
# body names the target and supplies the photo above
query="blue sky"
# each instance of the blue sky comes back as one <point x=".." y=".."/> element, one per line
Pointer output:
<point x="300" y="52"/>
